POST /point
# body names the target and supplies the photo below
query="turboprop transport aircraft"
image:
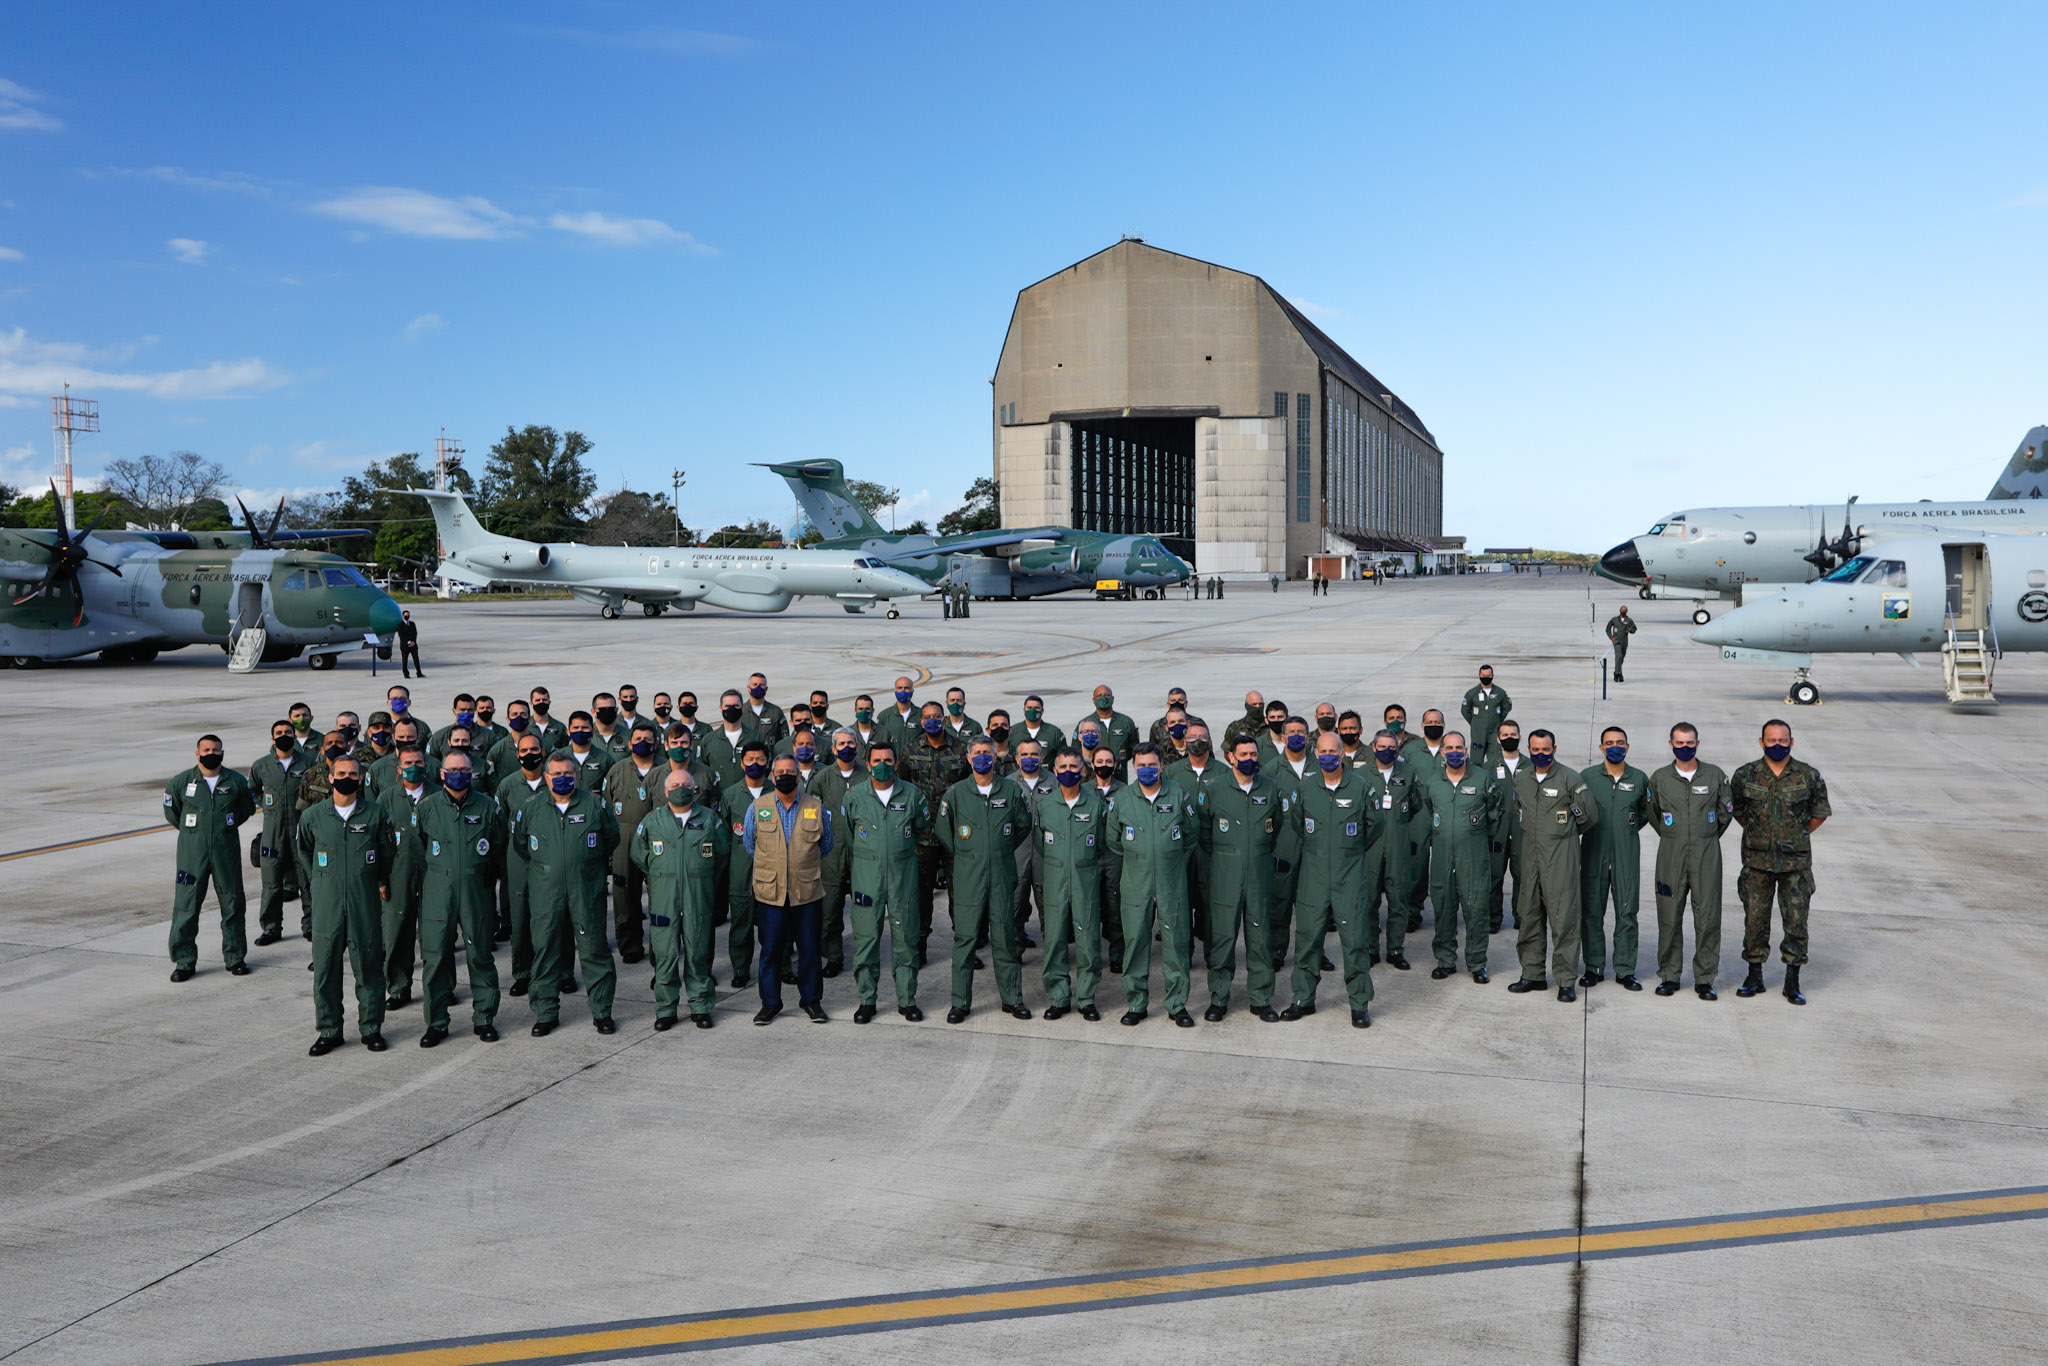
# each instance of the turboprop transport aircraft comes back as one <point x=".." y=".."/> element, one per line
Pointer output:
<point x="1743" y="553"/>
<point x="660" y="577"/>
<point x="1939" y="589"/>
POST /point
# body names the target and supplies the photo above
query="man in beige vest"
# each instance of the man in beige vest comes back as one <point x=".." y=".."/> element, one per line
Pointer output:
<point x="788" y="833"/>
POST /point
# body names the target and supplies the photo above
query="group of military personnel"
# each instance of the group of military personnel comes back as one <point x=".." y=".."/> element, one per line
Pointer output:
<point x="634" y="831"/>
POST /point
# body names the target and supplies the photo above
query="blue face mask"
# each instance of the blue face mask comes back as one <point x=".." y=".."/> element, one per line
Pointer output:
<point x="398" y="706"/>
<point x="1330" y="763"/>
<point x="579" y="737"/>
<point x="1777" y="753"/>
<point x="933" y="725"/>
<point x="1248" y="767"/>
<point x="465" y="718"/>
<point x="757" y="692"/>
<point x="1069" y="777"/>
<point x="1148" y="774"/>
<point x="847" y="753"/>
<point x="982" y="763"/>
<point x="457" y="780"/>
<point x="1296" y="743"/>
<point x="1028" y="763"/>
<point x="642" y="748"/>
<point x="1386" y="756"/>
<point x="1454" y="758"/>
<point x="1615" y="753"/>
<point x="1177" y="730"/>
<point x="902" y="694"/>
<point x="1684" y="753"/>
<point x="804" y="753"/>
<point x="517" y="723"/>
<point x="754" y="771"/>
<point x="563" y="783"/>
<point x="1090" y="740"/>
<point x="1541" y="760"/>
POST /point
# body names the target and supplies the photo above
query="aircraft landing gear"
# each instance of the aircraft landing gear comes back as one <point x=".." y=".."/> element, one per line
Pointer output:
<point x="1701" y="616"/>
<point x="1803" y="692"/>
<point x="320" y="664"/>
<point x="893" y="614"/>
<point x="1644" y="592"/>
<point x="652" y="609"/>
<point x="1151" y="595"/>
<point x="608" y="612"/>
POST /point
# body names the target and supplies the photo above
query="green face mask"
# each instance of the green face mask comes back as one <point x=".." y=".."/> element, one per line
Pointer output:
<point x="678" y="754"/>
<point x="955" y="708"/>
<point x="1105" y="702"/>
<point x="302" y="724"/>
<point x="1395" y="725"/>
<point x="413" y="773"/>
<point x="682" y="798"/>
<point x="865" y="715"/>
<point x="1032" y="714"/>
<point x="883" y="772"/>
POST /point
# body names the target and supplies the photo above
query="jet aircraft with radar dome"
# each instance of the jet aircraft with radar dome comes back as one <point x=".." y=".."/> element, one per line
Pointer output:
<point x="660" y="577"/>
<point x="1746" y="553"/>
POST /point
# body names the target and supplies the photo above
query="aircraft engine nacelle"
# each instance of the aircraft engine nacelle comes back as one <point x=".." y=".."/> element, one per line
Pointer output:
<point x="1046" y="559"/>
<point x="518" y="559"/>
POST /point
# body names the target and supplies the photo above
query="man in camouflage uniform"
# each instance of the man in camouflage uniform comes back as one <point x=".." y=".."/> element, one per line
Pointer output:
<point x="1780" y="802"/>
<point x="932" y="761"/>
<point x="1247" y="726"/>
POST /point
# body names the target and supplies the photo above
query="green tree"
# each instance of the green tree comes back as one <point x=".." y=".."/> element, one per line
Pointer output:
<point x="172" y="490"/>
<point x="630" y="517"/>
<point x="40" y="511"/>
<point x="750" y="536"/>
<point x="980" y="511"/>
<point x="917" y="528"/>
<point x="401" y="526"/>
<point x="871" y="496"/>
<point x="535" y="484"/>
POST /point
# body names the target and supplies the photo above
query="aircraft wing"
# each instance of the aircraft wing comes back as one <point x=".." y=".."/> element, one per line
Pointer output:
<point x="979" y="540"/>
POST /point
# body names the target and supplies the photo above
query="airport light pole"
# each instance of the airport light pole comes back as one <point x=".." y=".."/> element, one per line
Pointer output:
<point x="676" y="480"/>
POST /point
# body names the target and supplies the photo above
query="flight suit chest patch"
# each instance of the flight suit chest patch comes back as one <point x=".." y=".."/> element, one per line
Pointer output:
<point x="1550" y="792"/>
<point x="1258" y="801"/>
<point x="1469" y="791"/>
<point x="1699" y="790"/>
<point x="1222" y="826"/>
<point x="1624" y="787"/>
<point x="576" y="818"/>
<point x="1343" y="803"/>
<point x="356" y="828"/>
<point x="472" y="820"/>
<point x="1080" y="815"/>
<point x="998" y="803"/>
<point x="191" y="789"/>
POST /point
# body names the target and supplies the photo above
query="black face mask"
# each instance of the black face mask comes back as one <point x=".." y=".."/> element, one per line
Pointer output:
<point x="785" y="783"/>
<point x="483" y="718"/>
<point x="605" y="715"/>
<point x="1326" y="723"/>
<point x="689" y="711"/>
<point x="1349" y="737"/>
<point x="731" y="715"/>
<point x="539" y="708"/>
<point x="1199" y="748"/>
<point x="1432" y="732"/>
<point x="1276" y="724"/>
<point x="283" y="744"/>
<point x="532" y="762"/>
<point x="334" y="752"/>
<point x="209" y="762"/>
<point x="631" y="704"/>
<point x="663" y="713"/>
<point x="1104" y="774"/>
<point x="999" y="734"/>
<point x="347" y="787"/>
<point x="1510" y="743"/>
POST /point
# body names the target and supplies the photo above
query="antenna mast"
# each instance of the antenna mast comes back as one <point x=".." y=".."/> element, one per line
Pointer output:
<point x="71" y="417"/>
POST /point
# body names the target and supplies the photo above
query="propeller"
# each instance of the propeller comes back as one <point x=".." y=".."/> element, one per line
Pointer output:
<point x="1826" y="554"/>
<point x="261" y="540"/>
<point x="67" y="554"/>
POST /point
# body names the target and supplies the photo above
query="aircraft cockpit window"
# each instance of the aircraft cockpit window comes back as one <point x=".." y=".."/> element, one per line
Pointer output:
<point x="1657" y="530"/>
<point x="344" y="578"/>
<point x="1851" y="571"/>
<point x="1886" y="574"/>
<point x="298" y="581"/>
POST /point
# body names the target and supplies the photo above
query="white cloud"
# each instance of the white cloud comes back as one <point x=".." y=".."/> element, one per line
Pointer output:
<point x="35" y="368"/>
<point x="626" y="232"/>
<point x="423" y="324"/>
<point x="415" y="213"/>
<point x="18" y="110"/>
<point x="25" y="466"/>
<point x="2037" y="195"/>
<point x="9" y="254"/>
<point x="1315" y="310"/>
<point x="230" y="181"/>
<point x="190" y="250"/>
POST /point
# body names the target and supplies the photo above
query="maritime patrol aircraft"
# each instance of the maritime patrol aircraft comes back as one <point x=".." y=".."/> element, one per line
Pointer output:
<point x="1010" y="562"/>
<point x="660" y="577"/>
<point x="129" y="595"/>
<point x="1947" y="589"/>
<point x="1749" y="552"/>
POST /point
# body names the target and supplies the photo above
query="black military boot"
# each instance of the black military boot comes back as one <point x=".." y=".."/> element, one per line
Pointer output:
<point x="1792" y="992"/>
<point x="1753" y="983"/>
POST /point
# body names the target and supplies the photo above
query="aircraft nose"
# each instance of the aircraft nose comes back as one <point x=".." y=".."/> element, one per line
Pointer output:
<point x="1715" y="632"/>
<point x="1623" y="562"/>
<point x="384" y="616"/>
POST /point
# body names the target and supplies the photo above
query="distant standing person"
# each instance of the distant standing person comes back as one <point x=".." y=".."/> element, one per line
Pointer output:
<point x="409" y="645"/>
<point x="1619" y="629"/>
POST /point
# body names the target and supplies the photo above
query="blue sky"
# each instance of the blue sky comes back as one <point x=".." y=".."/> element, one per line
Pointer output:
<point x="1621" y="259"/>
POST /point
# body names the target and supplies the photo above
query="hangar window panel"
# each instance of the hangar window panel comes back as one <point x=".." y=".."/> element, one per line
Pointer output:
<point x="1302" y="440"/>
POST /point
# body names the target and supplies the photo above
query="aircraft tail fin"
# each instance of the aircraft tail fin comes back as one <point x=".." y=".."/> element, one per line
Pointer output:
<point x="458" y="527"/>
<point x="2026" y="474"/>
<point x="820" y="487"/>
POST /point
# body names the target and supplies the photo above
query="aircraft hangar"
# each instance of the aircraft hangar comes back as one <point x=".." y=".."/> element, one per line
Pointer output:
<point x="1140" y="390"/>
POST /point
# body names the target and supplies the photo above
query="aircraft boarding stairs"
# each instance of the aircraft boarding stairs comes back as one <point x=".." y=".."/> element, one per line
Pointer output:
<point x="1966" y="662"/>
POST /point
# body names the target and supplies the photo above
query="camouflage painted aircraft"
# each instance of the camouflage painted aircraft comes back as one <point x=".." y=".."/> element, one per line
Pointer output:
<point x="1010" y="562"/>
<point x="129" y="595"/>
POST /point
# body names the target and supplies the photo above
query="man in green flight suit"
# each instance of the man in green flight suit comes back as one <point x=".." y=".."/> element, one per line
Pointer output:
<point x="1390" y="790"/>
<point x="1157" y="823"/>
<point x="526" y="782"/>
<point x="345" y="848"/>
<point x="209" y="805"/>
<point x="1244" y="815"/>
<point x="570" y="836"/>
<point x="678" y="848"/>
<point x="981" y="821"/>
<point x="1335" y="825"/>
<point x="1073" y="823"/>
<point x="405" y="876"/>
<point x="274" y="786"/>
<point x="1458" y="805"/>
<point x="1555" y="812"/>
<point x="749" y="785"/>
<point x="1611" y="861"/>
<point x="885" y="817"/>
<point x="1693" y="807"/>
<point x="1619" y="629"/>
<point x="633" y="787"/>
<point x="1484" y="708"/>
<point x="933" y="761"/>
<point x="833" y="782"/>
<point x="460" y="835"/>
<point x="1780" y="802"/>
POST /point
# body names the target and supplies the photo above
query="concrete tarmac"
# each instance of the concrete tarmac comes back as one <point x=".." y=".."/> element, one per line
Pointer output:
<point x="180" y="1183"/>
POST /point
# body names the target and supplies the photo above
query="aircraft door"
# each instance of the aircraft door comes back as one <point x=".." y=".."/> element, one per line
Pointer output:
<point x="248" y="606"/>
<point x="1968" y="575"/>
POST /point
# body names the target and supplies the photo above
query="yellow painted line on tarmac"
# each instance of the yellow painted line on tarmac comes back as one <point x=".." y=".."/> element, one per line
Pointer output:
<point x="85" y="843"/>
<point x="650" y="1337"/>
